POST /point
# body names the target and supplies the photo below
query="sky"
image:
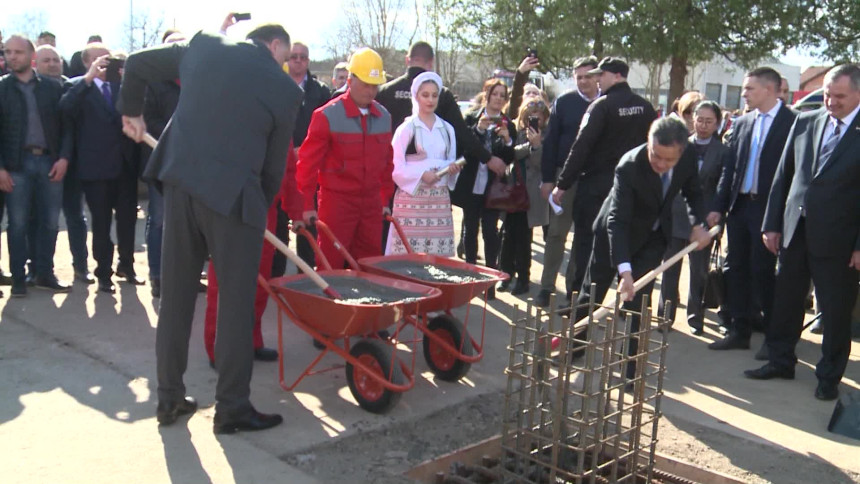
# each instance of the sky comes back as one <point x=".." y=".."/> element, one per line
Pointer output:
<point x="309" y="22"/>
<point x="72" y="24"/>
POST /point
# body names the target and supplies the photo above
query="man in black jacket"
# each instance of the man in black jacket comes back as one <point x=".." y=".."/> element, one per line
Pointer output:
<point x="564" y="121"/>
<point x="757" y="141"/>
<point x="34" y="154"/>
<point x="635" y="221"/>
<point x="316" y="94"/>
<point x="613" y="125"/>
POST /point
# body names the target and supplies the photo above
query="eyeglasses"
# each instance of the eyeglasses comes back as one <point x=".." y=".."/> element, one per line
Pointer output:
<point x="298" y="57"/>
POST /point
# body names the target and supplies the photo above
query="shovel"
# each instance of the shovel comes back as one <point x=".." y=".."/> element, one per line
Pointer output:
<point x="274" y="240"/>
<point x="642" y="282"/>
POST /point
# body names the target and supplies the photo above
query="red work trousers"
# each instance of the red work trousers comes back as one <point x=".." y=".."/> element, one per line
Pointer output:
<point x="356" y="221"/>
<point x="259" y="302"/>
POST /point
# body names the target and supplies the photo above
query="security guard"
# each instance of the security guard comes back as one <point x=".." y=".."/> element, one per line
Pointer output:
<point x="613" y="125"/>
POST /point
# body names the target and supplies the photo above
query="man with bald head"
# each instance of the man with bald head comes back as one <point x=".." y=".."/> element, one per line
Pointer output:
<point x="106" y="164"/>
<point x="34" y="153"/>
<point x="48" y="62"/>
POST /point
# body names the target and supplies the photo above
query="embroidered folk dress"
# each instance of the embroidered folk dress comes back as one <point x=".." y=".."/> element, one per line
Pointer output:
<point x="423" y="211"/>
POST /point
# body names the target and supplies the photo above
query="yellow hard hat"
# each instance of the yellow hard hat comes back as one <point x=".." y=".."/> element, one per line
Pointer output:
<point x="366" y="65"/>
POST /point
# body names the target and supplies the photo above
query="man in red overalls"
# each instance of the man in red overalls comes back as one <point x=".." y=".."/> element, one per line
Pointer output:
<point x="348" y="153"/>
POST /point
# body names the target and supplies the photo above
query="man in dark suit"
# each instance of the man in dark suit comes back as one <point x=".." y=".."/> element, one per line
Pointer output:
<point x="106" y="163"/>
<point x="711" y="156"/>
<point x="756" y="145"/>
<point x="635" y="222"/>
<point x="813" y="221"/>
<point x="220" y="160"/>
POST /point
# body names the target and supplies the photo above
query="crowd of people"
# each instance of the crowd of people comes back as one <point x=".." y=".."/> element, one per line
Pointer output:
<point x="284" y="149"/>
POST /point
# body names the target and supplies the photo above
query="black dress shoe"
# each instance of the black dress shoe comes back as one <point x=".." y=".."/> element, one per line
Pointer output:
<point x="5" y="278"/>
<point x="770" y="371"/>
<point x="731" y="342"/>
<point x="19" y="288"/>
<point x="542" y="299"/>
<point x="168" y="412"/>
<point x="491" y="294"/>
<point x="826" y="391"/>
<point x="696" y="331"/>
<point x="521" y="287"/>
<point x="85" y="276"/>
<point x="51" y="283"/>
<point x="265" y="354"/>
<point x="251" y="422"/>
<point x="130" y="276"/>
<point x="504" y="286"/>
<point x="762" y="354"/>
<point x="106" y="285"/>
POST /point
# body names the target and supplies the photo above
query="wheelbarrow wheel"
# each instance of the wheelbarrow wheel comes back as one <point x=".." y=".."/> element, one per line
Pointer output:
<point x="444" y="364"/>
<point x="375" y="356"/>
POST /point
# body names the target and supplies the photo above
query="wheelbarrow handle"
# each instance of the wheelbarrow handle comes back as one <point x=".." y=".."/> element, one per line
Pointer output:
<point x="444" y="171"/>
<point x="400" y="233"/>
<point x="308" y="270"/>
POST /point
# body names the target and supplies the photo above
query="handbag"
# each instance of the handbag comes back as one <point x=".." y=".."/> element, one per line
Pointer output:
<point x="715" y="284"/>
<point x="510" y="197"/>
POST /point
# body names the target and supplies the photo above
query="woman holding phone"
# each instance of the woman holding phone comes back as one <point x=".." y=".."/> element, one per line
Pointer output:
<point x="516" y="256"/>
<point x="498" y="134"/>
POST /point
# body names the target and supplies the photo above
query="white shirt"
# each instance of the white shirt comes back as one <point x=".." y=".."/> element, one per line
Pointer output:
<point x="768" y="122"/>
<point x="846" y="123"/>
<point x="440" y="153"/>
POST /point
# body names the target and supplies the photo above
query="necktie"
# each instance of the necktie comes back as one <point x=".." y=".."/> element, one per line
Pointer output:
<point x="755" y="151"/>
<point x="106" y="94"/>
<point x="665" y="180"/>
<point x="828" y="147"/>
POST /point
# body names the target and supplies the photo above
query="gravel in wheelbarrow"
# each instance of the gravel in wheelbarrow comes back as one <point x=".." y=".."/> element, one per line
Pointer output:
<point x="430" y="272"/>
<point x="356" y="291"/>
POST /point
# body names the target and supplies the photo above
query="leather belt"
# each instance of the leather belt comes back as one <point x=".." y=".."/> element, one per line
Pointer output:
<point x="35" y="150"/>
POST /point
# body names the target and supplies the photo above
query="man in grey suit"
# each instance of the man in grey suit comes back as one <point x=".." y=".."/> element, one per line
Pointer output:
<point x="813" y="221"/>
<point x="711" y="156"/>
<point x="220" y="160"/>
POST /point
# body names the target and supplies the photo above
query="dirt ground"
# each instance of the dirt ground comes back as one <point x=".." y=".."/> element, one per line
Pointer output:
<point x="77" y="383"/>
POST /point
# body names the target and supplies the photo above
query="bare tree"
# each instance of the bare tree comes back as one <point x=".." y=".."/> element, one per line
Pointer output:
<point x="143" y="29"/>
<point x="30" y="23"/>
<point x="382" y="25"/>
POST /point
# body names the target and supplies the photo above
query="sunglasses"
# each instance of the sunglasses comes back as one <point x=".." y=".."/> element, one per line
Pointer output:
<point x="536" y="104"/>
<point x="298" y="57"/>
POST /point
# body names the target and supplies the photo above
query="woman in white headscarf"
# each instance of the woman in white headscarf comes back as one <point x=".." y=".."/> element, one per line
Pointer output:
<point x="423" y="145"/>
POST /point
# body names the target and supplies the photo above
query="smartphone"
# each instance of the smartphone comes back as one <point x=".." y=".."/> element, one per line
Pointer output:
<point x="534" y="123"/>
<point x="112" y="71"/>
<point x="531" y="52"/>
<point x="241" y="16"/>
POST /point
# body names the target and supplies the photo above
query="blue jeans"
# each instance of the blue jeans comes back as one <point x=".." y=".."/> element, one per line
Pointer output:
<point x="33" y="190"/>
<point x="154" y="231"/>
<point x="76" y="221"/>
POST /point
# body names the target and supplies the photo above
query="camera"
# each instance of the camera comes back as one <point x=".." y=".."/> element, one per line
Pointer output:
<point x="534" y="123"/>
<point x="241" y="16"/>
<point x="112" y="70"/>
<point x="531" y="52"/>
